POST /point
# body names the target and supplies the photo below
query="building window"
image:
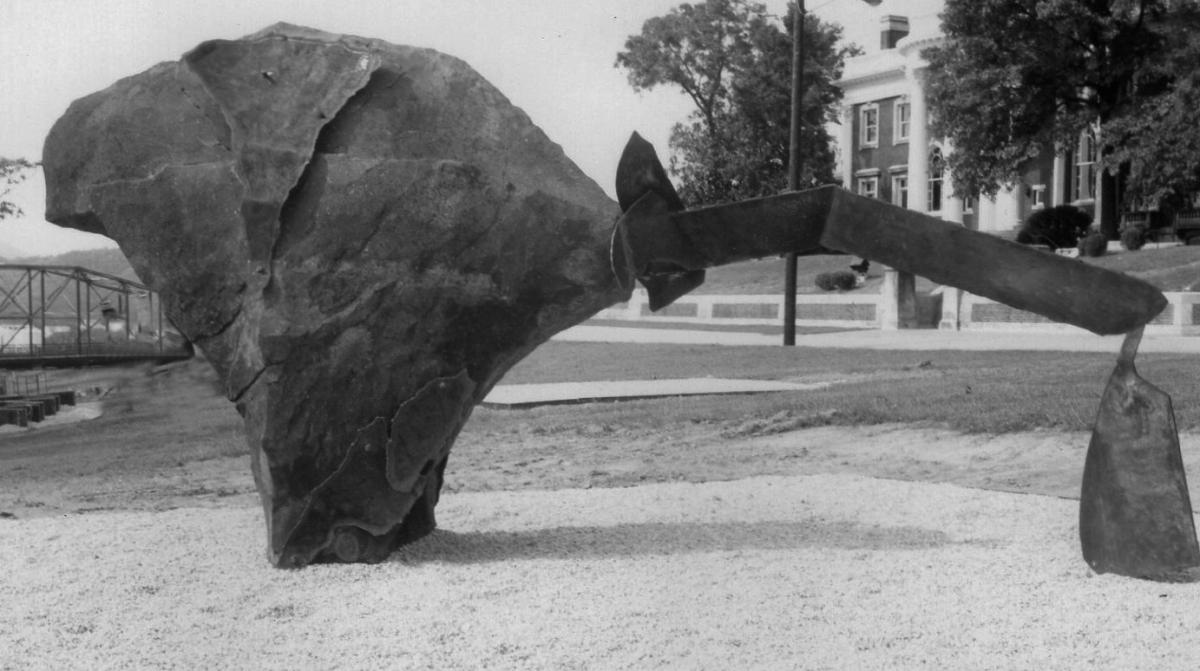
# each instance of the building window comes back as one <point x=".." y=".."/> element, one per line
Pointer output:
<point x="868" y="126"/>
<point x="1037" y="197"/>
<point x="902" y="120"/>
<point x="1085" y="167"/>
<point x="868" y="186"/>
<point x="969" y="204"/>
<point x="937" y="169"/>
<point x="900" y="190"/>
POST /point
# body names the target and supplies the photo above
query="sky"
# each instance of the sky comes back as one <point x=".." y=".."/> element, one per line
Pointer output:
<point x="552" y="58"/>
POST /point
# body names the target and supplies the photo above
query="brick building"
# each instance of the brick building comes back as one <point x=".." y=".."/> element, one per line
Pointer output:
<point x="885" y="119"/>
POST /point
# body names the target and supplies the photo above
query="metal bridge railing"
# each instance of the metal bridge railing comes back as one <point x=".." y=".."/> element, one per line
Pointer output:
<point x="66" y="312"/>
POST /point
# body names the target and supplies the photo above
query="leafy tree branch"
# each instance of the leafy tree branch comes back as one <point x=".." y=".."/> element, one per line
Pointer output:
<point x="733" y="61"/>
<point x="13" y="171"/>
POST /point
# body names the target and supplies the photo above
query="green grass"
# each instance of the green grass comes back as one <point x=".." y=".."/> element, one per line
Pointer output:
<point x="765" y="276"/>
<point x="1169" y="269"/>
<point x="170" y="439"/>
<point x="989" y="392"/>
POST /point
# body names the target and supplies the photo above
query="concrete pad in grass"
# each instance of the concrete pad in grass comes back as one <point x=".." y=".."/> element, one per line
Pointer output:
<point x="529" y="395"/>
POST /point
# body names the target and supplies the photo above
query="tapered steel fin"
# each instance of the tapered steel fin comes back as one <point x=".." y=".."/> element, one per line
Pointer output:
<point x="641" y="176"/>
<point x="639" y="171"/>
<point x="1135" y="515"/>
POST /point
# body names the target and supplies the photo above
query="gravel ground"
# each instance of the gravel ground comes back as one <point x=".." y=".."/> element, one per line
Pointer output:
<point x="809" y="572"/>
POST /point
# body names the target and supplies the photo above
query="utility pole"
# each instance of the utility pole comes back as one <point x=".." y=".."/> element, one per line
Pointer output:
<point x="796" y="162"/>
<point x="795" y="166"/>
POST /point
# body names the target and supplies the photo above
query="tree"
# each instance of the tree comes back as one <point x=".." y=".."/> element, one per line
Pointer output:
<point x="1016" y="78"/>
<point x="1157" y="143"/>
<point x="12" y="172"/>
<point x="733" y="61"/>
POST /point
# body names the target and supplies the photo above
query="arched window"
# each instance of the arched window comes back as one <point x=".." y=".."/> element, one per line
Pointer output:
<point x="937" y="169"/>
<point x="1085" y="166"/>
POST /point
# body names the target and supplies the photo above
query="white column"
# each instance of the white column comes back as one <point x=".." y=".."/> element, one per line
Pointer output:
<point x="952" y="211"/>
<point x="899" y="293"/>
<point x="1009" y="206"/>
<point x="952" y="205"/>
<point x="846" y="144"/>
<point x="951" y="309"/>
<point x="1058" y="188"/>
<point x="889" y="309"/>
<point x="918" y="143"/>
<point x="985" y="213"/>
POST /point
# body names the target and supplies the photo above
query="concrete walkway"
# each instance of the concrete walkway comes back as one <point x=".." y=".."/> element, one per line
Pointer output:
<point x="922" y="339"/>
<point x="530" y="395"/>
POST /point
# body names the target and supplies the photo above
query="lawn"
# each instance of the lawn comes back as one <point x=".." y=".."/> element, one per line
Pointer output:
<point x="167" y="439"/>
<point x="973" y="392"/>
<point x="1168" y="268"/>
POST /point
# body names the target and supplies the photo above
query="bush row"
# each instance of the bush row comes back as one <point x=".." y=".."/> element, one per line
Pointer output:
<point x="1065" y="226"/>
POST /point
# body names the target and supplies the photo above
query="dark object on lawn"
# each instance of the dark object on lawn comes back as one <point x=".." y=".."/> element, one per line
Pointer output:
<point x="836" y="280"/>
<point x="1134" y="237"/>
<point x="1093" y="244"/>
<point x="1135" y="516"/>
<point x="364" y="237"/>
<point x="1056" y="227"/>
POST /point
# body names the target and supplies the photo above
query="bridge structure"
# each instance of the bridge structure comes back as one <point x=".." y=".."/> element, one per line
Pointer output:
<point x="67" y="316"/>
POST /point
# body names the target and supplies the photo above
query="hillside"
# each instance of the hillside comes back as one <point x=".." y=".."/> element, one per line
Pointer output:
<point x="7" y="252"/>
<point x="110" y="261"/>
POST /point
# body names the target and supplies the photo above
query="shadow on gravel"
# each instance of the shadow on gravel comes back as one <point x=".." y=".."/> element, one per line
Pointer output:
<point x="658" y="538"/>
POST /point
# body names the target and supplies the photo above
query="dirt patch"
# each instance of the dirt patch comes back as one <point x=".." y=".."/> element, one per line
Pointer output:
<point x="167" y="439"/>
<point x="1038" y="462"/>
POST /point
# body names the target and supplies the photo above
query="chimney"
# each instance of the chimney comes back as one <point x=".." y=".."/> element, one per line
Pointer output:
<point x="892" y="29"/>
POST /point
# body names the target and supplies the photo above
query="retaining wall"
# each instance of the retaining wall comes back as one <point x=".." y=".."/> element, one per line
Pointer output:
<point x="973" y="313"/>
<point x="959" y="311"/>
<point x="848" y="310"/>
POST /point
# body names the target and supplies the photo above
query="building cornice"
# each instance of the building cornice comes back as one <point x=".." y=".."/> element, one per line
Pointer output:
<point x="911" y="47"/>
<point x="894" y="72"/>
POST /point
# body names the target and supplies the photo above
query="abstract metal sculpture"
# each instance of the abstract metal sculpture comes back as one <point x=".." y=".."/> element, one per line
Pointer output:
<point x="1135" y="513"/>
<point x="362" y="238"/>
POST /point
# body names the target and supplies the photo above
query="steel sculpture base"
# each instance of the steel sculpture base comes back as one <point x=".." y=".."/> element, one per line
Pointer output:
<point x="1135" y="515"/>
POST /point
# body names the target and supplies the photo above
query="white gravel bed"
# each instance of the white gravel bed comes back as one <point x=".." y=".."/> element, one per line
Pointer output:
<point x="817" y="572"/>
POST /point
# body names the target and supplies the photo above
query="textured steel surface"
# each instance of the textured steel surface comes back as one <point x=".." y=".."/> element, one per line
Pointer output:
<point x="658" y="239"/>
<point x="1135" y="516"/>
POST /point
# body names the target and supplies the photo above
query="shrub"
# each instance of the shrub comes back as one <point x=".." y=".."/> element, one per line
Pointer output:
<point x="1094" y="243"/>
<point x="838" y="280"/>
<point x="1055" y="227"/>
<point x="1134" y="237"/>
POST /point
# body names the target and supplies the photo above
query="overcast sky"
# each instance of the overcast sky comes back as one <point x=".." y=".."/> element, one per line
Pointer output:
<point x="552" y="58"/>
